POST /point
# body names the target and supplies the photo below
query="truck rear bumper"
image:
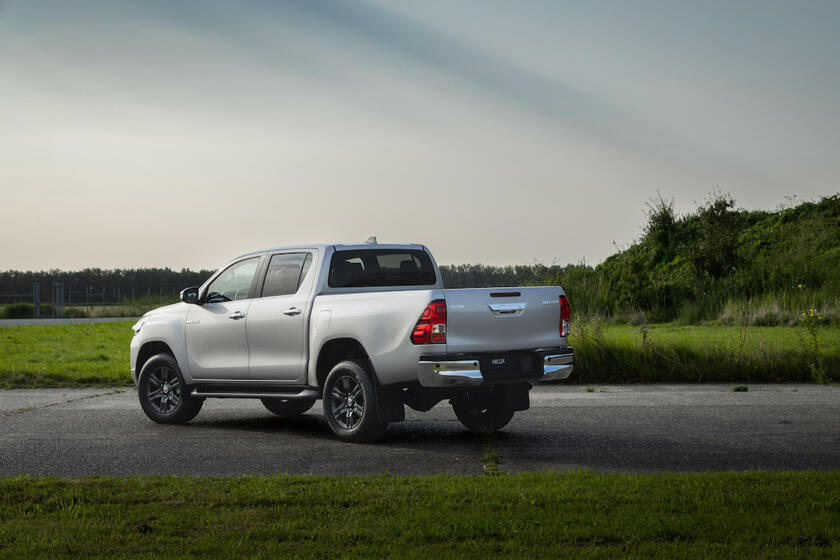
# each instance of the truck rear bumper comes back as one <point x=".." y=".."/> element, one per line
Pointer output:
<point x="534" y="366"/>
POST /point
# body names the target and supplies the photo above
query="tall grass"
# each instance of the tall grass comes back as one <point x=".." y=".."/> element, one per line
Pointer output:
<point x="663" y="353"/>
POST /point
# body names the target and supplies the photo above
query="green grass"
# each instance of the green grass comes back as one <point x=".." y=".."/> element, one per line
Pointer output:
<point x="97" y="354"/>
<point x="669" y="353"/>
<point x="750" y="515"/>
<point x="65" y="355"/>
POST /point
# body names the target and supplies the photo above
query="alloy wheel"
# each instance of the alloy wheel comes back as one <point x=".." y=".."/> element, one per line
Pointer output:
<point x="347" y="402"/>
<point x="163" y="390"/>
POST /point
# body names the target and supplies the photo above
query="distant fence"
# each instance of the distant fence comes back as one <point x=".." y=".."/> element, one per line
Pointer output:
<point x="59" y="300"/>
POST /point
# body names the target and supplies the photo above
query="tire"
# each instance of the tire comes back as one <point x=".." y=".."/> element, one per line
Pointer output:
<point x="162" y="393"/>
<point x="481" y="414"/>
<point x="288" y="407"/>
<point x="350" y="403"/>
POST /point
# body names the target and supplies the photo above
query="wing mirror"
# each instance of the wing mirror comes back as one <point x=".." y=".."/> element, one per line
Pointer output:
<point x="190" y="295"/>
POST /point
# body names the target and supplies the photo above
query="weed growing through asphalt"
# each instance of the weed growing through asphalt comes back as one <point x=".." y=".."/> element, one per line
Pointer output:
<point x="740" y="389"/>
<point x="490" y="456"/>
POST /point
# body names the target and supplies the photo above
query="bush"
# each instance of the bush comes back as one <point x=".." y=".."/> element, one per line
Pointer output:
<point x="24" y="311"/>
<point x="18" y="311"/>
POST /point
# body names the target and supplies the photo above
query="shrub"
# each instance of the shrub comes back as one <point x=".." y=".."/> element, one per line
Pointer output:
<point x="18" y="311"/>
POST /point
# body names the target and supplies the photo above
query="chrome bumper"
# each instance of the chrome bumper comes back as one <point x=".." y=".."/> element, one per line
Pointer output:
<point x="557" y="366"/>
<point x="467" y="373"/>
<point x="454" y="373"/>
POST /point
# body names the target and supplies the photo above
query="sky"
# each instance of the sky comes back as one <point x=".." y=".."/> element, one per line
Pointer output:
<point x="183" y="133"/>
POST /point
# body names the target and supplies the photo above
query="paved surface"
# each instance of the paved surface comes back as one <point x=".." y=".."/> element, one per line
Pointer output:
<point x="626" y="428"/>
<point x="66" y="321"/>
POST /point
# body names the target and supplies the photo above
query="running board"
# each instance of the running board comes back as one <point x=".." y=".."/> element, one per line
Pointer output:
<point x="250" y="393"/>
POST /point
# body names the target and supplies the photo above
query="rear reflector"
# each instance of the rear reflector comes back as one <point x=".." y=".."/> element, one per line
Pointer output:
<point x="565" y="316"/>
<point x="505" y="294"/>
<point x="431" y="327"/>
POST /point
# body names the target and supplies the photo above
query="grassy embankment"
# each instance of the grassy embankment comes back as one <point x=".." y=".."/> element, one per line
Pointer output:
<point x="748" y="515"/>
<point x="719" y="263"/>
<point x="97" y="354"/>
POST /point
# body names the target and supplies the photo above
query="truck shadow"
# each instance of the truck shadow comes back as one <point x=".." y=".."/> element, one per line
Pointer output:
<point x="309" y="425"/>
<point x="413" y="432"/>
<point x="439" y="444"/>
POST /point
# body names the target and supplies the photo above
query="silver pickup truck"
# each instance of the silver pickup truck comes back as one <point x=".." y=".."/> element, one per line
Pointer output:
<point x="368" y="328"/>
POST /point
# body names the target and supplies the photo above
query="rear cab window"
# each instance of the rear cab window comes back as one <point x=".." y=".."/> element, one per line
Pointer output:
<point x="381" y="267"/>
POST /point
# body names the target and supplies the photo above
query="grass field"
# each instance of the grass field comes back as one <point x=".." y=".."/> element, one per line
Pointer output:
<point x="65" y="355"/>
<point x="97" y="354"/>
<point x="751" y="515"/>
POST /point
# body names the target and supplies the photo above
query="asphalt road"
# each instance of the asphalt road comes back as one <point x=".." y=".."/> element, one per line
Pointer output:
<point x="615" y="428"/>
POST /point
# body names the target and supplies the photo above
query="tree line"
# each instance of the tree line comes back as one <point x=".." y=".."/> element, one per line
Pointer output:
<point x="688" y="266"/>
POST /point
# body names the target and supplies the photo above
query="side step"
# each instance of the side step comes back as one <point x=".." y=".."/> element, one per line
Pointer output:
<point x="253" y="392"/>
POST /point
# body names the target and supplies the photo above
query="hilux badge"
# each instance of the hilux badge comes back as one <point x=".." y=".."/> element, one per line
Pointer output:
<point x="551" y="301"/>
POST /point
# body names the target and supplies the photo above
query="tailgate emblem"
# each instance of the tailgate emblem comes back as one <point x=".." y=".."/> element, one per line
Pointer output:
<point x="456" y="307"/>
<point x="498" y="361"/>
<point x="551" y="301"/>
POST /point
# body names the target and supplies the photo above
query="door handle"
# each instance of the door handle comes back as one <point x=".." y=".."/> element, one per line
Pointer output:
<point x="236" y="315"/>
<point x="507" y="308"/>
<point x="292" y="311"/>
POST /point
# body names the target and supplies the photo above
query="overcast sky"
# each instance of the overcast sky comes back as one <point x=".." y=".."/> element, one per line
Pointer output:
<point x="180" y="134"/>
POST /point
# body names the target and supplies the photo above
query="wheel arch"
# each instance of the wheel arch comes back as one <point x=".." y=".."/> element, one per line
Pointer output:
<point x="153" y="348"/>
<point x="337" y="350"/>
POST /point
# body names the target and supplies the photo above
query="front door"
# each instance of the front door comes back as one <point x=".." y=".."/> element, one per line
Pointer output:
<point x="217" y="346"/>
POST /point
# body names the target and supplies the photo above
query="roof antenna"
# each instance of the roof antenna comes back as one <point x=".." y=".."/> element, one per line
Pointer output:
<point x="371" y="240"/>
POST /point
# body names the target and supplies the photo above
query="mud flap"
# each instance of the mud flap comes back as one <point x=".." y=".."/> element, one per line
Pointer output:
<point x="517" y="396"/>
<point x="390" y="405"/>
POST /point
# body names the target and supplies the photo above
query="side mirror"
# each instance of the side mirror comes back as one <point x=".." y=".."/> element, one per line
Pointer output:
<point x="190" y="295"/>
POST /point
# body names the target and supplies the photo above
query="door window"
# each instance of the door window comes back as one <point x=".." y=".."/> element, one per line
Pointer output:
<point x="285" y="274"/>
<point x="234" y="283"/>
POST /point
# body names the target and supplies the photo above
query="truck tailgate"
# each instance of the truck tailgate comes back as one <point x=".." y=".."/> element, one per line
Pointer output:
<point x="502" y="319"/>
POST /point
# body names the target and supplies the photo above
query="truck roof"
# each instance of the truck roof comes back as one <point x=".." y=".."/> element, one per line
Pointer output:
<point x="338" y="247"/>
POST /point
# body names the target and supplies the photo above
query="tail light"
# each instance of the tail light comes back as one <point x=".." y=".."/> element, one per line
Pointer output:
<point x="565" y="316"/>
<point x="431" y="327"/>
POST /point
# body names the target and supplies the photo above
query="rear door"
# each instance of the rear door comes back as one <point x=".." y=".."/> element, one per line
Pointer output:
<point x="502" y="319"/>
<point x="277" y="321"/>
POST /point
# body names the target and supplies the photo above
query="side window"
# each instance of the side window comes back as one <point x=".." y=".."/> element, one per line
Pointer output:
<point x="306" y="264"/>
<point x="234" y="283"/>
<point x="285" y="274"/>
